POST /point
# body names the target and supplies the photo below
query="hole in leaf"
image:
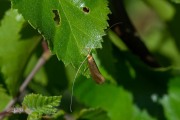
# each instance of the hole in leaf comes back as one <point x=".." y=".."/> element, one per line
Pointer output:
<point x="56" y="16"/>
<point x="86" y="10"/>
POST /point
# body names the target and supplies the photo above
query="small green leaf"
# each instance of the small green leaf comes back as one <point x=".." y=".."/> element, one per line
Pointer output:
<point x="59" y="115"/>
<point x="81" y="25"/>
<point x="36" y="103"/>
<point x="14" y="52"/>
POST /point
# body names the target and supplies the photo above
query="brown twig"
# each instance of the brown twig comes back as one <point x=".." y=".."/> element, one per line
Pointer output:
<point x="3" y="113"/>
<point x="42" y="60"/>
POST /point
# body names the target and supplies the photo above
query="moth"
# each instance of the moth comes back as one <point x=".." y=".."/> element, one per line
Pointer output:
<point x="95" y="73"/>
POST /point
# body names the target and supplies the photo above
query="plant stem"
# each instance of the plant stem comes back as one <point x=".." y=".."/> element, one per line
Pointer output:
<point x="42" y="60"/>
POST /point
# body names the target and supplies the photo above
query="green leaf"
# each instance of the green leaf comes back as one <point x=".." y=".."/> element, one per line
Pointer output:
<point x="115" y="100"/>
<point x="163" y="8"/>
<point x="34" y="116"/>
<point x="59" y="115"/>
<point x="171" y="102"/>
<point x="141" y="115"/>
<point x="116" y="40"/>
<point x="93" y="114"/>
<point x="38" y="104"/>
<point x="81" y="26"/>
<point x="14" y="52"/>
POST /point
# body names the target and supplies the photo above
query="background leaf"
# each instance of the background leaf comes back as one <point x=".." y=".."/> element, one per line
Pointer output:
<point x="141" y="115"/>
<point x="118" y="104"/>
<point x="163" y="8"/>
<point x="171" y="102"/>
<point x="17" y="51"/>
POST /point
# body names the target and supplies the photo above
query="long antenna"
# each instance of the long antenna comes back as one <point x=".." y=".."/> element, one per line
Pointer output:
<point x="72" y="89"/>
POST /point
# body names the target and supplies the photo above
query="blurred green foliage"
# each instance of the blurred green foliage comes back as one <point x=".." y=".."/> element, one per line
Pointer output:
<point x="133" y="90"/>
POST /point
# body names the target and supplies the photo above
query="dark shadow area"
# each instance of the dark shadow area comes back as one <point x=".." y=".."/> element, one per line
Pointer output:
<point x="174" y="26"/>
<point x="2" y="82"/>
<point x="28" y="31"/>
<point x="57" y="80"/>
<point x="4" y="6"/>
<point x="145" y="82"/>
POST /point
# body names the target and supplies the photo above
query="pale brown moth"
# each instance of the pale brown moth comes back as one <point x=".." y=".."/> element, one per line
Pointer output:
<point x="95" y="73"/>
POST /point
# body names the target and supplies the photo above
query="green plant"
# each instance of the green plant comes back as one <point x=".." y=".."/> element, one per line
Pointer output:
<point x="134" y="44"/>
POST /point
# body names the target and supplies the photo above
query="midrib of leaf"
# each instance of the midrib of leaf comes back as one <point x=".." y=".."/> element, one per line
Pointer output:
<point x="75" y="25"/>
<point x="74" y="38"/>
<point x="69" y="24"/>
